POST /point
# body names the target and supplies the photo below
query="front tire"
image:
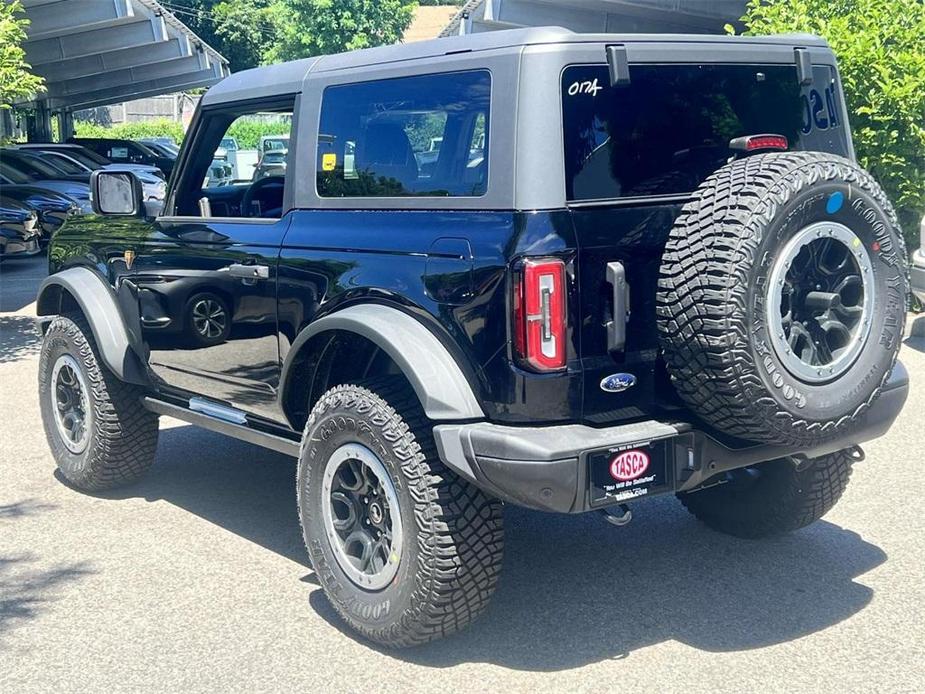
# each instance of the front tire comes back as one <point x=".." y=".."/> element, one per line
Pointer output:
<point x="406" y="551"/>
<point x="772" y="498"/>
<point x="100" y="435"/>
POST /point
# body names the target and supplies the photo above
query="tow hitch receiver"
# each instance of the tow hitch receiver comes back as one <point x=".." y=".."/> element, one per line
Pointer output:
<point x="618" y="515"/>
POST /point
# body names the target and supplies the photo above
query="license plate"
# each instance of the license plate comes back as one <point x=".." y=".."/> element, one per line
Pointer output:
<point x="618" y="475"/>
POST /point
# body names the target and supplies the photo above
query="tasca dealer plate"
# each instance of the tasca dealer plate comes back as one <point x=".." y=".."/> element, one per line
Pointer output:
<point x="618" y="475"/>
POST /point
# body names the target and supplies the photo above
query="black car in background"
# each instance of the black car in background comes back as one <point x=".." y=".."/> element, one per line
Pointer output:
<point x="23" y="168"/>
<point x="19" y="234"/>
<point x="77" y="160"/>
<point x="120" y="151"/>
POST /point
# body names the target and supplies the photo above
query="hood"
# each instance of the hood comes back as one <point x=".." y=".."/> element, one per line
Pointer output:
<point x="138" y="169"/>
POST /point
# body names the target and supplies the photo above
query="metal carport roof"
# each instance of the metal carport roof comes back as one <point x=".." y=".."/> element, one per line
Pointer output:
<point x="97" y="52"/>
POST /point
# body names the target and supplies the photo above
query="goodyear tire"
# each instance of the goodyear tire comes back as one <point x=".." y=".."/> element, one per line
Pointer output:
<point x="782" y="296"/>
<point x="406" y="551"/>
<point x="100" y="435"/>
<point x="771" y="498"/>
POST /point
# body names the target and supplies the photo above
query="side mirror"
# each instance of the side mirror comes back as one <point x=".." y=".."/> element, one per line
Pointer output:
<point x="116" y="193"/>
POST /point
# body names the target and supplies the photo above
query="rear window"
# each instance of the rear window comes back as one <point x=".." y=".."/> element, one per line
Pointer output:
<point x="670" y="128"/>
<point x="425" y="135"/>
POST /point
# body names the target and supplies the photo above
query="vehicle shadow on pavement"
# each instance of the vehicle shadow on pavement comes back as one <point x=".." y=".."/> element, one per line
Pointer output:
<point x="19" y="282"/>
<point x="18" y="338"/>
<point x="916" y="339"/>
<point x="24" y="589"/>
<point x="574" y="590"/>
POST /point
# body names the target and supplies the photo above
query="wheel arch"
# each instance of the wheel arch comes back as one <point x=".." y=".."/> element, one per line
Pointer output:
<point x="80" y="288"/>
<point x="434" y="374"/>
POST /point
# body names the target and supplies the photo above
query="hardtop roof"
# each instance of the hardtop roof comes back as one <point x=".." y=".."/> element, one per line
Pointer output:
<point x="287" y="78"/>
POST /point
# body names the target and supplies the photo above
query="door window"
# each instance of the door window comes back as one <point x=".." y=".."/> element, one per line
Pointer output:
<point x="425" y="136"/>
<point x="246" y="182"/>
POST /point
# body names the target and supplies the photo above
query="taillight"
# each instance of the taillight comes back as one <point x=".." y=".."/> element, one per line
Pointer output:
<point x="539" y="314"/>
<point x="754" y="143"/>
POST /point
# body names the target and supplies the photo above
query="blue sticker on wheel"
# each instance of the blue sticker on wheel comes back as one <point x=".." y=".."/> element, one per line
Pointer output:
<point x="835" y="201"/>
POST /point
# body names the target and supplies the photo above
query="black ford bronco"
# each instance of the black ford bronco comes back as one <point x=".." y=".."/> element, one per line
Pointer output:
<point x="563" y="271"/>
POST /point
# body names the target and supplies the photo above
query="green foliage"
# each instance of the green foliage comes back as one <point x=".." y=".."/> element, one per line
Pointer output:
<point x="880" y="45"/>
<point x="249" y="131"/>
<point x="318" y="27"/>
<point x="132" y="131"/>
<point x="16" y="82"/>
<point x="246" y="131"/>
<point x="241" y="30"/>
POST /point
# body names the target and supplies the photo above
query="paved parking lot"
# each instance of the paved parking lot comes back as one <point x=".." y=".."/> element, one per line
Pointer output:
<point x="195" y="579"/>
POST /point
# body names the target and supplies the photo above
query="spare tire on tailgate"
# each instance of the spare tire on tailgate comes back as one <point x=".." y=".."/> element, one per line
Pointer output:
<point x="782" y="297"/>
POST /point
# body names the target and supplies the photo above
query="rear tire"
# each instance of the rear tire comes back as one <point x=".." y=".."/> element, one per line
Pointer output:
<point x="773" y="497"/>
<point x="441" y="553"/>
<point x="100" y="435"/>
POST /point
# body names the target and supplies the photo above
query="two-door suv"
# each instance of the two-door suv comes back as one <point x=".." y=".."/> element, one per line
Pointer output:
<point x="564" y="271"/>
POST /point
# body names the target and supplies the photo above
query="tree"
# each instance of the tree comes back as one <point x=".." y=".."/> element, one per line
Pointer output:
<point x="241" y="30"/>
<point x="880" y="45"/>
<point x="16" y="82"/>
<point x="318" y="27"/>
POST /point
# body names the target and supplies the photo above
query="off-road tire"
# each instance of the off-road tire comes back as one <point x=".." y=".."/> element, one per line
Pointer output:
<point x="772" y="498"/>
<point x="712" y="296"/>
<point x="453" y="533"/>
<point x="122" y="433"/>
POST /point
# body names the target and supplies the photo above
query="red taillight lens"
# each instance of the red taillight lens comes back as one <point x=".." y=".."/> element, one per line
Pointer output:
<point x="539" y="314"/>
<point x="752" y="143"/>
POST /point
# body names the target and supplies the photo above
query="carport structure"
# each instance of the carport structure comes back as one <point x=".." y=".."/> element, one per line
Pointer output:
<point x="98" y="52"/>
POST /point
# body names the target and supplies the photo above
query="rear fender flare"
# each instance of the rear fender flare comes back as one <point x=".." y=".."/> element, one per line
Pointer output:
<point x="438" y="381"/>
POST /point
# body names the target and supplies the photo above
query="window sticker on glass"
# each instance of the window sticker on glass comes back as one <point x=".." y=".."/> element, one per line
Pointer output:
<point x="328" y="161"/>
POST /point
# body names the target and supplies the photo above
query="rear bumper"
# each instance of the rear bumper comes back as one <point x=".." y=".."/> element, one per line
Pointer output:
<point x="917" y="274"/>
<point x="546" y="468"/>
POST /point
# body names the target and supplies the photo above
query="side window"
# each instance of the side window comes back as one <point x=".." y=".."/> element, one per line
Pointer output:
<point x="423" y="136"/>
<point x="246" y="179"/>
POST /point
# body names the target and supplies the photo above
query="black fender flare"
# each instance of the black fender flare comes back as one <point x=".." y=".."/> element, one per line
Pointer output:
<point x="99" y="306"/>
<point x="438" y="381"/>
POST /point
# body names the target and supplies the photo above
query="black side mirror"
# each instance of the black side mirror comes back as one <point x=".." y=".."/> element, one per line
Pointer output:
<point x="116" y="193"/>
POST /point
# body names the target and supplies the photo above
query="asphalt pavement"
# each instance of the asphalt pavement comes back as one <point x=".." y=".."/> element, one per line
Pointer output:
<point x="195" y="579"/>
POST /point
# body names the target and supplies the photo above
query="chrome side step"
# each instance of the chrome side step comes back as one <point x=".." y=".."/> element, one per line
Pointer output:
<point x="217" y="410"/>
<point x="217" y="417"/>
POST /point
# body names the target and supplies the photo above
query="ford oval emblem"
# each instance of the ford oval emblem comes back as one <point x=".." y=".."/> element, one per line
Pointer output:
<point x="617" y="383"/>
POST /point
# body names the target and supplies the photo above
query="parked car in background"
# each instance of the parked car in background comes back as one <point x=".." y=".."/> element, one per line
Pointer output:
<point x="271" y="156"/>
<point x="220" y="172"/>
<point x="53" y="209"/>
<point x="33" y="172"/>
<point x="120" y="151"/>
<point x="918" y="266"/>
<point x="19" y="231"/>
<point x="272" y="163"/>
<point x="76" y="159"/>
<point x="164" y="145"/>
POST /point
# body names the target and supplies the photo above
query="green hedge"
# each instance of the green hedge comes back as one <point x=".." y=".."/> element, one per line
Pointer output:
<point x="132" y="131"/>
<point x="246" y="131"/>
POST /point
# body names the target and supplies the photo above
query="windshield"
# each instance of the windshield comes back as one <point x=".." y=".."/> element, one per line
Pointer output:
<point x="13" y="175"/>
<point x="62" y="163"/>
<point x="87" y="156"/>
<point x="671" y="126"/>
<point x="33" y="167"/>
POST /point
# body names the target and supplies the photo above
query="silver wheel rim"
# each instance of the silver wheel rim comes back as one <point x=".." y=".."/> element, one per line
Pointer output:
<point x="820" y="301"/>
<point x="361" y="516"/>
<point x="70" y="404"/>
<point x="209" y="318"/>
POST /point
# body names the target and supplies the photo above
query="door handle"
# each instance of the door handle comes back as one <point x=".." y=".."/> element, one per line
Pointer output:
<point x="249" y="272"/>
<point x="616" y="326"/>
